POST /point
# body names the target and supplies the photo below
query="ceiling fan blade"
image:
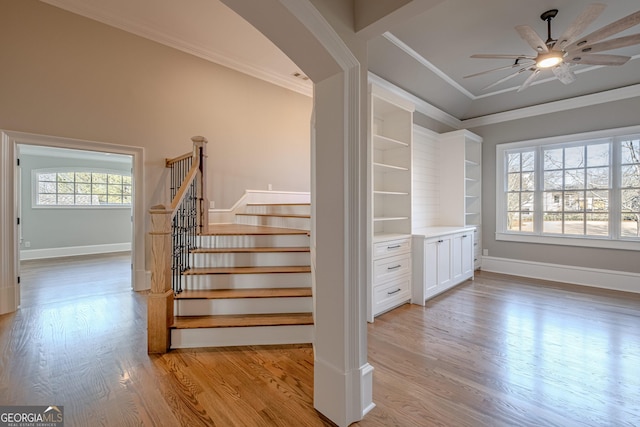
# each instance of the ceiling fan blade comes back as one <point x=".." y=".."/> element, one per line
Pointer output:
<point x="500" y="56"/>
<point x="504" y="79"/>
<point x="607" y="45"/>
<point x="495" y="69"/>
<point x="606" y="31"/>
<point x="579" y="25"/>
<point x="590" y="59"/>
<point x="564" y="73"/>
<point x="530" y="36"/>
<point x="529" y="80"/>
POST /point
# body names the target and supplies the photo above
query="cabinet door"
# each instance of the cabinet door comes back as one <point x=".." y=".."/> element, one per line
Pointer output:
<point x="444" y="263"/>
<point x="467" y="255"/>
<point x="456" y="258"/>
<point x="430" y="268"/>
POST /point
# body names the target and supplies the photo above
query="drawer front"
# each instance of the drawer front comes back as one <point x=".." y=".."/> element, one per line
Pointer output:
<point x="390" y="294"/>
<point x="387" y="269"/>
<point x="391" y="247"/>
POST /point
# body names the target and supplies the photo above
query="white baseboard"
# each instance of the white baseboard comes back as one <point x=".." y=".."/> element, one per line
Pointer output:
<point x="28" y="254"/>
<point x="598" y="278"/>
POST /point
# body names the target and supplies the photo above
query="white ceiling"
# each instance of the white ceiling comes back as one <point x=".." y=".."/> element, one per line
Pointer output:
<point x="427" y="56"/>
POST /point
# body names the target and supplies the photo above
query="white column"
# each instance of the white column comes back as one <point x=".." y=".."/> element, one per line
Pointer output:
<point x="9" y="287"/>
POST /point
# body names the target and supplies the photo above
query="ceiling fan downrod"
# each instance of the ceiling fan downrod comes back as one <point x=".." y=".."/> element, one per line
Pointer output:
<point x="548" y="16"/>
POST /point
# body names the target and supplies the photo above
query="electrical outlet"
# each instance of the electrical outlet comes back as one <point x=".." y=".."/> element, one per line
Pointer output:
<point x="27" y="244"/>
<point x="212" y="204"/>
<point x="485" y="252"/>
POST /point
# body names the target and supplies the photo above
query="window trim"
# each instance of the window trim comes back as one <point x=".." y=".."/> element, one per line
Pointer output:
<point x="502" y="234"/>
<point x="35" y="182"/>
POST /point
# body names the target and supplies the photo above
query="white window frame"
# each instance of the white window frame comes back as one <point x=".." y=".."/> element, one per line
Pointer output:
<point x="611" y="242"/>
<point x="35" y="187"/>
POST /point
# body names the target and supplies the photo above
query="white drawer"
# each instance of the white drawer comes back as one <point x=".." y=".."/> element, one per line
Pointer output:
<point x="390" y="294"/>
<point x="391" y="247"/>
<point x="387" y="269"/>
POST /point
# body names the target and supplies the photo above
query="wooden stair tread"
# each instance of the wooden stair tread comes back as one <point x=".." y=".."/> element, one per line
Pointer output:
<point x="248" y="270"/>
<point x="245" y="229"/>
<point x="245" y="293"/>
<point x="279" y="215"/>
<point x="242" y="320"/>
<point x="251" y="250"/>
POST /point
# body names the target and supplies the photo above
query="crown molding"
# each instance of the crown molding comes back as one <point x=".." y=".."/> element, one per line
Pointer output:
<point x="157" y="35"/>
<point x="555" y="106"/>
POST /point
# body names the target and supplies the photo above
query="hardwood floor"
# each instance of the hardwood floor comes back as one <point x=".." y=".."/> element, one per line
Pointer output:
<point x="498" y="351"/>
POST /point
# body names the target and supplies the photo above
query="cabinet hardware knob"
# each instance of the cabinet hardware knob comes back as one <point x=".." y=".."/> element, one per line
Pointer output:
<point x="440" y="241"/>
<point x="393" y="247"/>
<point x="394" y="292"/>
<point x="464" y="235"/>
<point x="394" y="267"/>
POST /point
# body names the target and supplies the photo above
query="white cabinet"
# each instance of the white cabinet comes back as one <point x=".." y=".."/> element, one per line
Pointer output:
<point x="461" y="181"/>
<point x="442" y="258"/>
<point x="389" y="208"/>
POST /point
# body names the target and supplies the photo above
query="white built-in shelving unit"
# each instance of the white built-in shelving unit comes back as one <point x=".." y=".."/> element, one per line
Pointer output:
<point x="390" y="147"/>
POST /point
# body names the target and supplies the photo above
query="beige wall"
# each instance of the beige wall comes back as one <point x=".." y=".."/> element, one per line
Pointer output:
<point x="597" y="117"/>
<point x="69" y="76"/>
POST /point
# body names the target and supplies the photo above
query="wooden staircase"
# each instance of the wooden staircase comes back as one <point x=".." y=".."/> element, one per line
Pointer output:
<point x="249" y="284"/>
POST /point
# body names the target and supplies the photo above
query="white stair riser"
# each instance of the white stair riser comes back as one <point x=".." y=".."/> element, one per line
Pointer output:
<point x="258" y="335"/>
<point x="275" y="221"/>
<point x="205" y="307"/>
<point x="279" y="209"/>
<point x="254" y="241"/>
<point x="246" y="281"/>
<point x="264" y="259"/>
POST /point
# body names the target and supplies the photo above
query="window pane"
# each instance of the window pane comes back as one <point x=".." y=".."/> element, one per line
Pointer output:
<point x="597" y="201"/>
<point x="574" y="223"/>
<point x="66" y="177"/>
<point x="114" y="199"/>
<point x="552" y="223"/>
<point x="126" y="190"/>
<point x="630" y="152"/>
<point x="598" y="178"/>
<point x="114" y="189"/>
<point x="513" y="221"/>
<point x="574" y="157"/>
<point x="526" y="201"/>
<point x="513" y="202"/>
<point x="574" y="179"/>
<point x="528" y="161"/>
<point x="526" y="221"/>
<point x="84" y="177"/>
<point x="630" y="225"/>
<point x="99" y="177"/>
<point x="47" y="199"/>
<point x="65" y="188"/>
<point x="513" y="183"/>
<point x="83" y="188"/>
<point x="553" y="201"/>
<point x="553" y="159"/>
<point x="553" y="180"/>
<point x="65" y="199"/>
<point x="573" y="201"/>
<point x="126" y="180"/>
<point x="99" y="189"/>
<point x="598" y="155"/>
<point x="47" y="177"/>
<point x="528" y="181"/>
<point x="115" y="179"/>
<point x="513" y="162"/>
<point x="631" y="176"/>
<point x="83" y="199"/>
<point x="126" y="200"/>
<point x="102" y="199"/>
<point x="630" y="200"/>
<point x="597" y="225"/>
<point x="46" y="187"/>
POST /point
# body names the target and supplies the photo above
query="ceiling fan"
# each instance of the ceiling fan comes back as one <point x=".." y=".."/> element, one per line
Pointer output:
<point x="568" y="49"/>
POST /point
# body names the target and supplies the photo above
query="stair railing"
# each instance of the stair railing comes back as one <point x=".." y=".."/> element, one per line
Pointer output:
<point x="173" y="236"/>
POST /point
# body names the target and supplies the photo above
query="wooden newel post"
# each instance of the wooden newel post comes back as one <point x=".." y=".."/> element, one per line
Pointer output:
<point x="160" y="301"/>
<point x="200" y="149"/>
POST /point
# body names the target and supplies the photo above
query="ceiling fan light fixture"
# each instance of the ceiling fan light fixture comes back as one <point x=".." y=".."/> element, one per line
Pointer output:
<point x="548" y="60"/>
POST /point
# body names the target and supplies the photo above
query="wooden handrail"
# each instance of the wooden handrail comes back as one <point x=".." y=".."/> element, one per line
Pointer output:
<point x="182" y="191"/>
<point x="169" y="162"/>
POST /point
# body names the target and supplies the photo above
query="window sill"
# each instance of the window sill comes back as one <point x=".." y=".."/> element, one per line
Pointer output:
<point x="629" y="245"/>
